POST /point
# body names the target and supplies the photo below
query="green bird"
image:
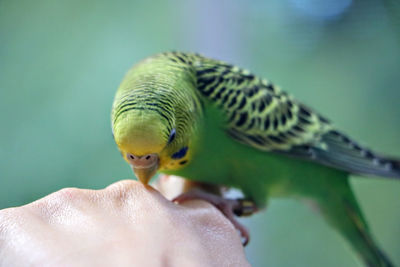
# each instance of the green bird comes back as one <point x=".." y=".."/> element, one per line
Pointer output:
<point x="212" y="122"/>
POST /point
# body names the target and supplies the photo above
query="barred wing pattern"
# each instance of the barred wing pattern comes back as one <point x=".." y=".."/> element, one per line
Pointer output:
<point x="260" y="115"/>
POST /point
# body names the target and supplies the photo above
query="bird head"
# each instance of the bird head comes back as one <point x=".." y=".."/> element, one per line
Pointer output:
<point x="155" y="117"/>
<point x="149" y="141"/>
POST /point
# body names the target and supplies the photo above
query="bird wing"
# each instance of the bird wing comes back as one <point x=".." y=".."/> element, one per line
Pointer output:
<point x="258" y="113"/>
<point x="262" y="116"/>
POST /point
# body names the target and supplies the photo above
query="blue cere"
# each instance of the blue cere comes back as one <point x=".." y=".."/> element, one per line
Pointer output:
<point x="180" y="154"/>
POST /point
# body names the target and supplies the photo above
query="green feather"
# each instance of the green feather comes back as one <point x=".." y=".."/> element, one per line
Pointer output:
<point x="243" y="131"/>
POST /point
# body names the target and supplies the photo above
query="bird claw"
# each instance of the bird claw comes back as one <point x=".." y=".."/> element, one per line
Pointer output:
<point x="229" y="207"/>
<point x="244" y="207"/>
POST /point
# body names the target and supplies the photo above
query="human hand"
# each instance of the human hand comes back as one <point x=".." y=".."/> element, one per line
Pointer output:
<point x="125" y="224"/>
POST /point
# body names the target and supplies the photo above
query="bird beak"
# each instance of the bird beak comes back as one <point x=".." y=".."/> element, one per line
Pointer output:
<point x="144" y="174"/>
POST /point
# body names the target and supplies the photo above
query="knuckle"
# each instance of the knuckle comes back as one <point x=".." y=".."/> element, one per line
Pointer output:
<point x="68" y="193"/>
<point x="135" y="198"/>
<point x="56" y="202"/>
<point x="124" y="190"/>
<point x="123" y="185"/>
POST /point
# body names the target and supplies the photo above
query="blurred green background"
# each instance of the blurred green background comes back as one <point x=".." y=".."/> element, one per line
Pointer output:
<point x="61" y="62"/>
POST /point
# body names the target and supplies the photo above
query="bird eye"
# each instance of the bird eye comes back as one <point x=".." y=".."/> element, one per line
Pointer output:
<point x="172" y="135"/>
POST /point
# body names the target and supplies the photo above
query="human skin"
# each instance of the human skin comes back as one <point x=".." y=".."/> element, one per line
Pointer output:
<point x="125" y="224"/>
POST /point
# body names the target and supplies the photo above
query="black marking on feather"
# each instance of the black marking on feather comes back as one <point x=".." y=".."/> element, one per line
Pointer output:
<point x="232" y="102"/>
<point x="266" y="123"/>
<point x="242" y="103"/>
<point x="210" y="90"/>
<point x="261" y="107"/>
<point x="204" y="81"/>
<point x="369" y="155"/>
<point x="226" y="96"/>
<point x="291" y="133"/>
<point x="275" y="123"/>
<point x="252" y="91"/>
<point x="275" y="139"/>
<point x="323" y="119"/>
<point x="226" y="72"/>
<point x="201" y="85"/>
<point x="121" y="107"/>
<point x="146" y="108"/>
<point x="303" y="120"/>
<point x="180" y="58"/>
<point x="220" y="92"/>
<point x="236" y="135"/>
<point x="240" y="80"/>
<point x="335" y="133"/>
<point x="183" y="162"/>
<point x="205" y="71"/>
<point x="267" y="99"/>
<point x="298" y="128"/>
<point x="232" y="117"/>
<point x="161" y="108"/>
<point x="256" y="139"/>
<point x="132" y="102"/>
<point x="303" y="111"/>
<point x="283" y="120"/>
<point x="345" y="139"/>
<point x="242" y="119"/>
<point x="251" y="124"/>
<point x="289" y="114"/>
<point x="283" y="136"/>
<point x="270" y="87"/>
<point x="250" y="76"/>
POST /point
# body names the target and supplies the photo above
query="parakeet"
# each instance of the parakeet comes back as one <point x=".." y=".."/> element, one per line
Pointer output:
<point x="212" y="122"/>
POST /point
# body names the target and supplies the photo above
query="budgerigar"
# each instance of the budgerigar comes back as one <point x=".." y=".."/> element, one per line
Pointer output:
<point x="209" y="121"/>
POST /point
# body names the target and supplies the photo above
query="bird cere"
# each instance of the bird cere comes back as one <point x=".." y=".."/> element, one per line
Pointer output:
<point x="211" y="122"/>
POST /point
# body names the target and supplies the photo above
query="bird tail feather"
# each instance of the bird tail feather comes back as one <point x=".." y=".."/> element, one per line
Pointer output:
<point x="344" y="153"/>
<point x="343" y="213"/>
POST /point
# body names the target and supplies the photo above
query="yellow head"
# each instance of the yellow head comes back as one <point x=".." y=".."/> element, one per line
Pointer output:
<point x="154" y="116"/>
<point x="149" y="141"/>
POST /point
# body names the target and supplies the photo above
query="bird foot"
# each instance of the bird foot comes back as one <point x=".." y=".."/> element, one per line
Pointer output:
<point x="229" y="207"/>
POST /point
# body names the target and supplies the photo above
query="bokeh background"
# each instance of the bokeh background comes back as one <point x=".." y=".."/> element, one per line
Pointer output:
<point x="61" y="62"/>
